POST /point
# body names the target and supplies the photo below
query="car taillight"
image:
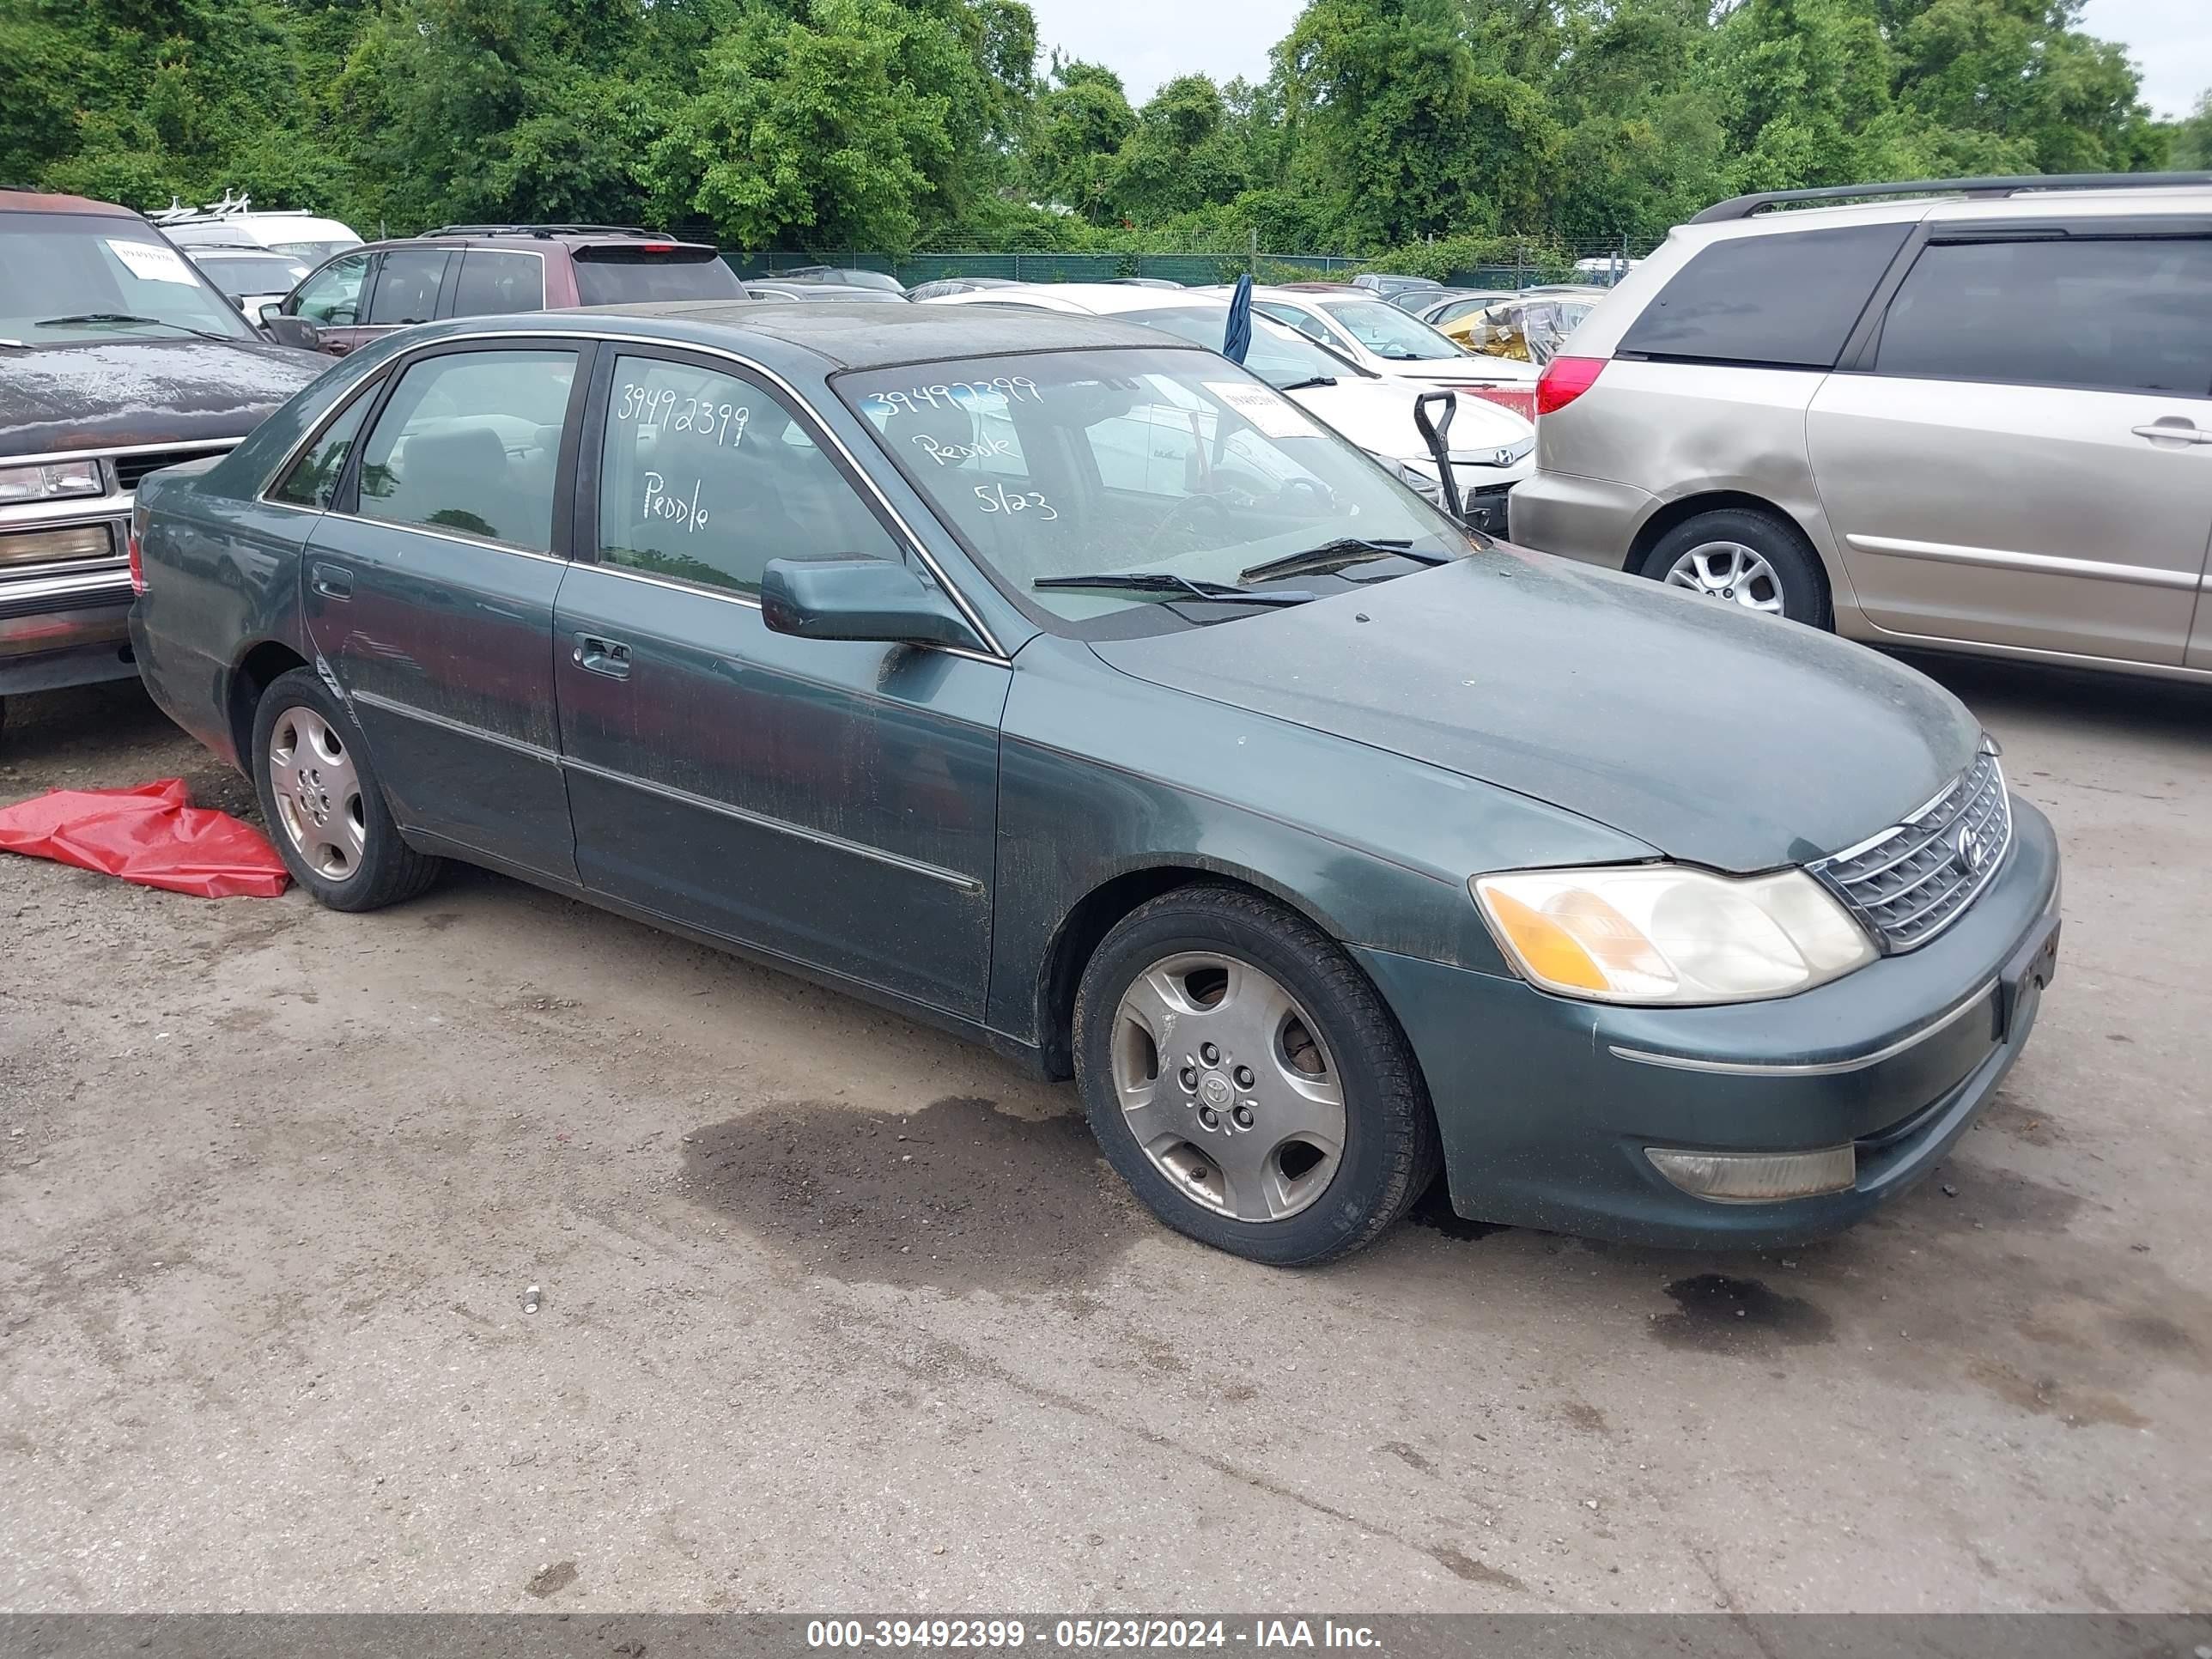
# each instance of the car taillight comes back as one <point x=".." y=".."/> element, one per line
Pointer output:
<point x="1564" y="379"/>
<point x="138" y="564"/>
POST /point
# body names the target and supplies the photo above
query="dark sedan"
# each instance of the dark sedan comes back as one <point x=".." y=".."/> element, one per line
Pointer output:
<point x="1060" y="684"/>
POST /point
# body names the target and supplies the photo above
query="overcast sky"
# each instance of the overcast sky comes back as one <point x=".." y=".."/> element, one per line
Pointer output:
<point x="1149" y="41"/>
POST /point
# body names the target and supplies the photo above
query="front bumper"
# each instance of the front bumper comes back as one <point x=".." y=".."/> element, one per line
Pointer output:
<point x="62" y="629"/>
<point x="1547" y="1105"/>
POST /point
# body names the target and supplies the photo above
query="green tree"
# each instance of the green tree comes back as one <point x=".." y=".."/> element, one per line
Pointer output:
<point x="2191" y="138"/>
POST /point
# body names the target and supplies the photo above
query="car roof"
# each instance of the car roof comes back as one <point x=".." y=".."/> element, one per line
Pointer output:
<point x="1102" y="299"/>
<point x="39" y="201"/>
<point x="848" y="334"/>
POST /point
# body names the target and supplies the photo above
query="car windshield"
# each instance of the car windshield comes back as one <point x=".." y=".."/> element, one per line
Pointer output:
<point x="68" y="276"/>
<point x="1280" y="357"/>
<point x="1387" y="331"/>
<point x="313" y="252"/>
<point x="249" y="275"/>
<point x="1143" y="462"/>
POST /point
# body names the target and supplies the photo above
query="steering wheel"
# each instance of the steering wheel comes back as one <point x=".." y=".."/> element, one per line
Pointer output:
<point x="1207" y="513"/>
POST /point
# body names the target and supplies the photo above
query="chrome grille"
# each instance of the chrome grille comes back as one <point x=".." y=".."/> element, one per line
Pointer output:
<point x="129" y="469"/>
<point x="1910" y="882"/>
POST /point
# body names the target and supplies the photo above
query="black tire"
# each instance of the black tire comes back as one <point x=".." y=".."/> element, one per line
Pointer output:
<point x="385" y="870"/>
<point x="1390" y="1153"/>
<point x="1797" y="569"/>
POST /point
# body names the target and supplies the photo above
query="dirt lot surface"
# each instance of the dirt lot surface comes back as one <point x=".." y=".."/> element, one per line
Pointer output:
<point x="838" y="1313"/>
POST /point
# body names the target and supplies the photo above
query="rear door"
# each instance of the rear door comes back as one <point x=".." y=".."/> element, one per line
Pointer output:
<point x="499" y="282"/>
<point x="408" y="280"/>
<point x="429" y="588"/>
<point x="2022" y="453"/>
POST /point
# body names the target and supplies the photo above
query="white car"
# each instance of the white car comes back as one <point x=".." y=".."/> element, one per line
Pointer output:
<point x="302" y="235"/>
<point x="249" y="278"/>
<point x="1386" y="341"/>
<point x="1492" y="449"/>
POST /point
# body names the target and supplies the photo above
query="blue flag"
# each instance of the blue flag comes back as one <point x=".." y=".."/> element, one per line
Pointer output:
<point x="1238" y="340"/>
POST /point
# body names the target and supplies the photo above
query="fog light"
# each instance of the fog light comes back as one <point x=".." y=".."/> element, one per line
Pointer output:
<point x="1758" y="1177"/>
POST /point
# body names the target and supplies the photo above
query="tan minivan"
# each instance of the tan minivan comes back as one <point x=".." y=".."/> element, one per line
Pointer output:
<point x="1970" y="414"/>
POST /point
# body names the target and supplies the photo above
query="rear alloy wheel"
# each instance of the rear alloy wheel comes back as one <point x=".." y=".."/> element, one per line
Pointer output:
<point x="1745" y="557"/>
<point x="319" y="794"/>
<point x="1247" y="1081"/>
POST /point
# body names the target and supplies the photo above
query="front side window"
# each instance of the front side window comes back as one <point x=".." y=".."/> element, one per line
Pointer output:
<point x="2128" y="314"/>
<point x="1163" y="463"/>
<point x="496" y="284"/>
<point x="407" y="288"/>
<point x="332" y="297"/>
<point x="313" y="478"/>
<point x="76" y="276"/>
<point x="469" y="444"/>
<point x="1387" y="331"/>
<point x="1782" y="299"/>
<point x="705" y="477"/>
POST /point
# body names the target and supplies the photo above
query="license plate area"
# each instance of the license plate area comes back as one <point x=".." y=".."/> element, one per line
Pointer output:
<point x="2032" y="967"/>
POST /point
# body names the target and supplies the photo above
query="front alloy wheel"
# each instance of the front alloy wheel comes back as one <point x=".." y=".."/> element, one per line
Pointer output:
<point x="1225" y="1086"/>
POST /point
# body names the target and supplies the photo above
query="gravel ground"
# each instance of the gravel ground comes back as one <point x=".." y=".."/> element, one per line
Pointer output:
<point x="839" y="1313"/>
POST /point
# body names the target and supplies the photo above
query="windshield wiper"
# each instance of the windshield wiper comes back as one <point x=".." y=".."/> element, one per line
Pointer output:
<point x="1335" y="555"/>
<point x="126" y="317"/>
<point x="1162" y="581"/>
<point x="1309" y="381"/>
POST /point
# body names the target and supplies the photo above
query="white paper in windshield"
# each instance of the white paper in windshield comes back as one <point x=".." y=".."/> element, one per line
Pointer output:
<point x="1271" y="415"/>
<point x="150" y="264"/>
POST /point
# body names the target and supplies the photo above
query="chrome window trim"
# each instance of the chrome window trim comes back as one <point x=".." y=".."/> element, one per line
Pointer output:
<point x="440" y="535"/>
<point x="1998" y="558"/>
<point x="107" y="451"/>
<point x="1810" y="1068"/>
<point x="996" y="652"/>
<point x="966" y="883"/>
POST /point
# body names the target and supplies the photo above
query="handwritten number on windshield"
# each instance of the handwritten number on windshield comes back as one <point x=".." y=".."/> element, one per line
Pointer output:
<point x="958" y="394"/>
<point x="996" y="498"/>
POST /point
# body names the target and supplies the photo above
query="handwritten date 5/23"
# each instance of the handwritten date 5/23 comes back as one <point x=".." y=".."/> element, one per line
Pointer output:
<point x="996" y="498"/>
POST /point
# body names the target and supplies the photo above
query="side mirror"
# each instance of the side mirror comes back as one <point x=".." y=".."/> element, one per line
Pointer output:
<point x="858" y="599"/>
<point x="271" y="310"/>
<point x="291" y="331"/>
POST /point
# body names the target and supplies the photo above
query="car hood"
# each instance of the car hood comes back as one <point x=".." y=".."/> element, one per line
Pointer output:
<point x="1378" y="416"/>
<point x="1718" y="737"/>
<point x="111" y="394"/>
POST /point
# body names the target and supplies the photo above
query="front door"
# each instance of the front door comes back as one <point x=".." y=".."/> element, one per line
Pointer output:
<point x="335" y="301"/>
<point x="830" y="802"/>
<point x="2028" y="461"/>
<point x="429" y="590"/>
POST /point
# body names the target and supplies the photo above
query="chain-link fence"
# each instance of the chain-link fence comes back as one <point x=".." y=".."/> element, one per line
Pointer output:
<point x="1598" y="263"/>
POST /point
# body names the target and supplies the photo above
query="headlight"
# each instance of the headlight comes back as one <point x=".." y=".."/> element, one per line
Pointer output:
<point x="1661" y="933"/>
<point x="1421" y="482"/>
<point x="39" y="483"/>
<point x="1504" y="457"/>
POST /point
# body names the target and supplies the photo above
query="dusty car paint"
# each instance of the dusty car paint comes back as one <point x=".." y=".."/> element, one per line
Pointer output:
<point x="948" y="833"/>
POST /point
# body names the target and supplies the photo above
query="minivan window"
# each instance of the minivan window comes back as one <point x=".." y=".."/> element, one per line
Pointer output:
<point x="707" y="477"/>
<point x="469" y="443"/>
<point x="492" y="283"/>
<point x="620" y="274"/>
<point x="407" y="287"/>
<point x="2127" y="314"/>
<point x="1782" y="299"/>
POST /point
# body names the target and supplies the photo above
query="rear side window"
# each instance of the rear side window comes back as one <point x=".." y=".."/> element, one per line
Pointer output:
<point x="617" y="275"/>
<point x="2131" y="314"/>
<point x="407" y="287"/>
<point x="492" y="283"/>
<point x="469" y="444"/>
<point x="1786" y="299"/>
<point x="315" y="476"/>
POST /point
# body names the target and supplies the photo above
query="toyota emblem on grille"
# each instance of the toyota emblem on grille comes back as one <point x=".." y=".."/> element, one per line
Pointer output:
<point x="1970" y="851"/>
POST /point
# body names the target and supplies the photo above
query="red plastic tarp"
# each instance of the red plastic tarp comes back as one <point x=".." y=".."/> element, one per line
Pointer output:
<point x="151" y="834"/>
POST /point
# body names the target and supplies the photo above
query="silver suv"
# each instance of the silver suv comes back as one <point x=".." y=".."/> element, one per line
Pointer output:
<point x="1977" y="419"/>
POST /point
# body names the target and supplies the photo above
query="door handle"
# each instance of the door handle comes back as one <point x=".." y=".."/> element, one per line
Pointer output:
<point x="597" y="656"/>
<point x="332" y="581"/>
<point x="2173" y="429"/>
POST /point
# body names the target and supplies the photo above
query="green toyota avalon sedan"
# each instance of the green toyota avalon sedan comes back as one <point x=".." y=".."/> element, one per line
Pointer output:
<point x="1056" y="682"/>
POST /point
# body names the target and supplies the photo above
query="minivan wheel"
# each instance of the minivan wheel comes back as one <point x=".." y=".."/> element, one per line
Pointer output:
<point x="1740" y="556"/>
<point x="326" y="811"/>
<point x="1248" y="1082"/>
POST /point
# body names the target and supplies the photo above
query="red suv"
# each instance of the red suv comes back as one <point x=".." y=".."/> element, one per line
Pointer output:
<point x="474" y="271"/>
